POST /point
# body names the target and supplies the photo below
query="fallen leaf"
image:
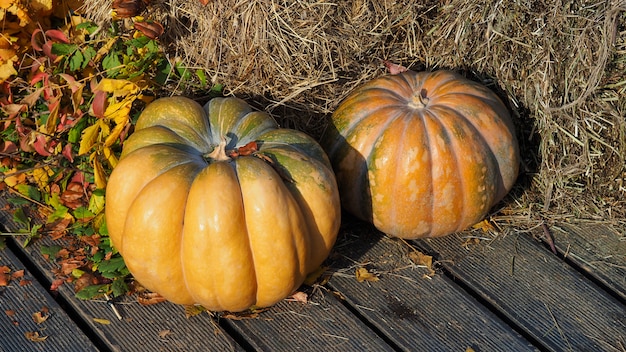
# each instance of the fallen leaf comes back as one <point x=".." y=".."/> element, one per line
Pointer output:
<point x="150" y="298"/>
<point x="40" y="317"/>
<point x="17" y="274"/>
<point x="240" y="316"/>
<point x="25" y="282"/>
<point x="362" y="274"/>
<point x="9" y="312"/>
<point x="163" y="333"/>
<point x="4" y="275"/>
<point x="56" y="283"/>
<point x="102" y="321"/>
<point x="34" y="336"/>
<point x="193" y="310"/>
<point x="422" y="259"/>
<point x="485" y="226"/>
<point x="299" y="296"/>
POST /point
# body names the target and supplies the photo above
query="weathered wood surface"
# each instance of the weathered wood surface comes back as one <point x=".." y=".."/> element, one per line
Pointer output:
<point x="510" y="293"/>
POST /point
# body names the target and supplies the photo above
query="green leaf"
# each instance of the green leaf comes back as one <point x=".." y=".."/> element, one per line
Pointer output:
<point x="90" y="27"/>
<point x="76" y="61"/>
<point x="63" y="49"/>
<point x="29" y="191"/>
<point x="20" y="218"/>
<point x="96" y="202"/>
<point x="88" y="54"/>
<point x="202" y="76"/>
<point x="119" y="287"/>
<point x="91" y="292"/>
<point x="60" y="210"/>
<point x="34" y="234"/>
<point x="139" y="42"/>
<point x="50" y="250"/>
<point x="82" y="213"/>
<point x="114" y="265"/>
<point x="111" y="63"/>
<point x="73" y="135"/>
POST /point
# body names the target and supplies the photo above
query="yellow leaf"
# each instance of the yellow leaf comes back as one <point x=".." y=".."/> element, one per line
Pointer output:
<point x="363" y="274"/>
<point x="41" y="175"/>
<point x="102" y="321"/>
<point x="119" y="87"/>
<point x="42" y="7"/>
<point x="7" y="70"/>
<point x="484" y="225"/>
<point x="117" y="130"/>
<point x="53" y="119"/>
<point x="34" y="336"/>
<point x="108" y="154"/>
<point x="14" y="177"/>
<point x="89" y="138"/>
<point x="104" y="50"/>
<point x="98" y="173"/>
<point x="119" y="112"/>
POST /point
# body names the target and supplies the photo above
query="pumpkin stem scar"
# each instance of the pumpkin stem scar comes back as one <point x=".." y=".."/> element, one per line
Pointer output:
<point x="419" y="100"/>
<point x="219" y="153"/>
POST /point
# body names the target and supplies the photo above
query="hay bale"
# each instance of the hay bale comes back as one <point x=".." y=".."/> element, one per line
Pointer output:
<point x="560" y="66"/>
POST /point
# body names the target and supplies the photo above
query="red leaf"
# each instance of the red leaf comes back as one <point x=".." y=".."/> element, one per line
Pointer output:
<point x="79" y="178"/>
<point x="36" y="42"/>
<point x="56" y="283"/>
<point x="8" y="147"/>
<point x="40" y="145"/>
<point x="99" y="102"/>
<point x="39" y="76"/>
<point x="47" y="49"/>
<point x="18" y="274"/>
<point x="67" y="152"/>
<point x="57" y="36"/>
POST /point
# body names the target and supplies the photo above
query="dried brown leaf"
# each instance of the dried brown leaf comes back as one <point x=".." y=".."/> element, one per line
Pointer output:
<point x="34" y="336"/>
<point x="362" y="274"/>
<point x="39" y="317"/>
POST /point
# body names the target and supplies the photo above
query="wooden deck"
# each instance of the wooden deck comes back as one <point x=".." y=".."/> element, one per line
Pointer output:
<point x="506" y="293"/>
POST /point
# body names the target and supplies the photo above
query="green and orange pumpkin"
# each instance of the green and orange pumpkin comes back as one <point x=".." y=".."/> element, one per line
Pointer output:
<point x="218" y="206"/>
<point x="422" y="154"/>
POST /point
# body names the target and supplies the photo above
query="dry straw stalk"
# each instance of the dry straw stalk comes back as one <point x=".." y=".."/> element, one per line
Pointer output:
<point x="560" y="66"/>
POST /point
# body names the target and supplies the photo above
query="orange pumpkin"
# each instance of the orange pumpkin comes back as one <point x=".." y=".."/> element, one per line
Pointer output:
<point x="422" y="154"/>
<point x="220" y="207"/>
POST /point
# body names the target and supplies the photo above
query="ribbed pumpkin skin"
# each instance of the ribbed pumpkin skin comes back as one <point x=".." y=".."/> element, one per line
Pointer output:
<point x="225" y="234"/>
<point x="422" y="154"/>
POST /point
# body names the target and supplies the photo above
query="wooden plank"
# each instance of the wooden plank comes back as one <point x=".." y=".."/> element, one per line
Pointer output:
<point x="599" y="250"/>
<point x="558" y="307"/>
<point x="18" y="303"/>
<point x="408" y="304"/>
<point x="323" y="324"/>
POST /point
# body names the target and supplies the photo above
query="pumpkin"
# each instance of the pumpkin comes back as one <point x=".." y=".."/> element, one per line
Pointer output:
<point x="218" y="206"/>
<point x="422" y="154"/>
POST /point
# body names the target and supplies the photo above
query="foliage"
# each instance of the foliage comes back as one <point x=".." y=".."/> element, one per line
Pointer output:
<point x="70" y="94"/>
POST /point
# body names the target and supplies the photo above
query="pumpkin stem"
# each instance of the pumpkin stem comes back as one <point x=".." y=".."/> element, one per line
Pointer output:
<point x="219" y="153"/>
<point x="419" y="100"/>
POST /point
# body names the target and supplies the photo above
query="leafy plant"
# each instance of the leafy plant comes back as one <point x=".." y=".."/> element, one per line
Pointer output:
<point x="65" y="113"/>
